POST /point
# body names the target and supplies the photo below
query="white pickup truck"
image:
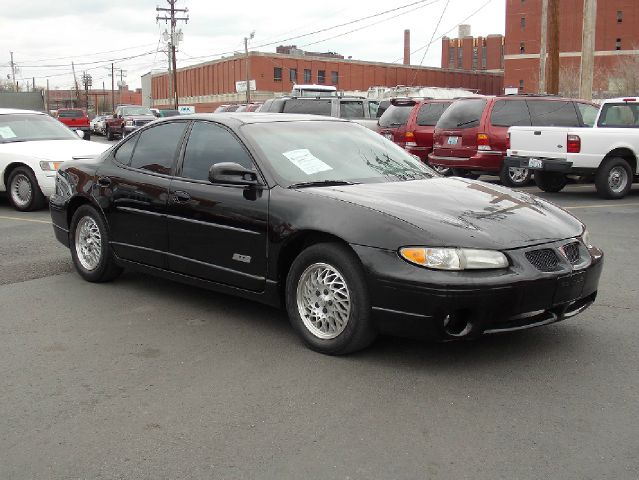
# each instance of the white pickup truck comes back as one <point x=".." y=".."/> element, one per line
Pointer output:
<point x="608" y="152"/>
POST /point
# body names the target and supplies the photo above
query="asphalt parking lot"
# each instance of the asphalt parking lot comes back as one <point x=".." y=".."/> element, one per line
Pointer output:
<point x="144" y="378"/>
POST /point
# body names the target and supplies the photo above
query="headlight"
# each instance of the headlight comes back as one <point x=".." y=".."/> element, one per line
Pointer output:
<point x="585" y="237"/>
<point x="454" y="258"/>
<point x="129" y="123"/>
<point x="50" y="166"/>
<point x="62" y="186"/>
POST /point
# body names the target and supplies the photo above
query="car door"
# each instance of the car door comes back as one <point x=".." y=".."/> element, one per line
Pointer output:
<point x="217" y="231"/>
<point x="133" y="189"/>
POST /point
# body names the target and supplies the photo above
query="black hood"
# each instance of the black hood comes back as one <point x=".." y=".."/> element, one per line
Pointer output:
<point x="462" y="213"/>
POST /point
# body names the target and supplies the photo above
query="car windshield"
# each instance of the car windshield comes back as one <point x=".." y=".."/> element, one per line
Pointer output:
<point x="309" y="151"/>
<point x="32" y="127"/>
<point x="136" y="111"/>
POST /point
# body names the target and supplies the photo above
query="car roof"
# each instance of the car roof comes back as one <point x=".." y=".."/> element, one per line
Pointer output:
<point x="6" y="111"/>
<point x="243" y="118"/>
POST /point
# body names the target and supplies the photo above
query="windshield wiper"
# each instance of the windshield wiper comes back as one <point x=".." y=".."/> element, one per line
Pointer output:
<point x="321" y="183"/>
<point x="468" y="122"/>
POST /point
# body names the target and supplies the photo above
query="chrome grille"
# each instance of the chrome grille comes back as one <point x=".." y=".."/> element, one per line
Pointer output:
<point x="139" y="123"/>
<point x="571" y="250"/>
<point x="545" y="259"/>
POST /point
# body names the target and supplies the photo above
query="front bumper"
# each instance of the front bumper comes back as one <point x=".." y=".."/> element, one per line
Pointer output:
<point x="413" y="301"/>
<point x="488" y="161"/>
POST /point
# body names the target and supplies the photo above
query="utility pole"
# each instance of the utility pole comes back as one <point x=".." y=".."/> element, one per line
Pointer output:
<point x="175" y="37"/>
<point x="588" y="49"/>
<point x="77" y="89"/>
<point x="248" y="67"/>
<point x="87" y="81"/>
<point x="169" y="83"/>
<point x="552" y="67"/>
<point x="47" y="100"/>
<point x="13" y="74"/>
<point x="543" y="49"/>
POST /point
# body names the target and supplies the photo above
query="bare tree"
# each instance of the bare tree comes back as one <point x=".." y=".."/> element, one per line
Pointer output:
<point x="569" y="81"/>
<point x="623" y="78"/>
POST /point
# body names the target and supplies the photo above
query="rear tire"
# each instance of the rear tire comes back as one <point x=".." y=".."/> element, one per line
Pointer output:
<point x="550" y="181"/>
<point x="90" y="250"/>
<point x="514" y="177"/>
<point x="614" y="178"/>
<point x="327" y="300"/>
<point x="24" y="192"/>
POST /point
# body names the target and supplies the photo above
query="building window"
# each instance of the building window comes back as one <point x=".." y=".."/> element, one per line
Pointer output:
<point x="277" y="74"/>
<point x="307" y="76"/>
<point x="618" y="44"/>
<point x="484" y="57"/>
<point x="451" y="57"/>
<point x="523" y="23"/>
<point x="521" y="85"/>
<point x="460" y="63"/>
<point x="334" y="78"/>
<point x="292" y="75"/>
<point x="321" y="75"/>
<point x="475" y="57"/>
<point x="619" y="16"/>
<point x="522" y="47"/>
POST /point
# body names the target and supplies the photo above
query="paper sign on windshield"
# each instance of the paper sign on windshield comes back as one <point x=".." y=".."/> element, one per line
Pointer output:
<point x="306" y="161"/>
<point x="6" y="132"/>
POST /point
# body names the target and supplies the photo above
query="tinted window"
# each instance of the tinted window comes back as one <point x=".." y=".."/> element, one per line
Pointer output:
<point x="588" y="113"/>
<point x="314" y="107"/>
<point x="156" y="147"/>
<point x="351" y="109"/>
<point x="546" y="113"/>
<point x="510" y="113"/>
<point x="123" y="153"/>
<point x="429" y="113"/>
<point x="619" y="115"/>
<point x="395" y="115"/>
<point x="209" y="144"/>
<point x="462" y="114"/>
<point x="70" y="114"/>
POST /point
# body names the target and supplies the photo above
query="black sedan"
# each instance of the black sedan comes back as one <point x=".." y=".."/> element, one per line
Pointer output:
<point x="348" y="231"/>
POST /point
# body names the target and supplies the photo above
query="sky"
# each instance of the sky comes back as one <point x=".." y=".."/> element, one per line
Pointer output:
<point x="92" y="34"/>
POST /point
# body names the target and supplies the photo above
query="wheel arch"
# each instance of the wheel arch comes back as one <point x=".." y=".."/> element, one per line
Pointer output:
<point x="10" y="168"/>
<point x="627" y="154"/>
<point x="76" y="202"/>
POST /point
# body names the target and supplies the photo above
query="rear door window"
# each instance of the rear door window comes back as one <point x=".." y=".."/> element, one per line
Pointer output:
<point x="312" y="107"/>
<point x="463" y="114"/>
<point x="553" y="113"/>
<point x="157" y="146"/>
<point x="510" y="113"/>
<point x="430" y="113"/>
<point x="351" y="109"/>
<point x="395" y="115"/>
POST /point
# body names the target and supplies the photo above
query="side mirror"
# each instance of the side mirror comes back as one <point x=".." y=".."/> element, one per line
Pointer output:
<point x="232" y="174"/>
<point x="80" y="133"/>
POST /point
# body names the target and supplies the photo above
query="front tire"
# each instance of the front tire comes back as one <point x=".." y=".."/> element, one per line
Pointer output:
<point x="109" y="134"/>
<point x="24" y="192"/>
<point x="90" y="250"/>
<point x="514" y="177"/>
<point x="614" y="178"/>
<point x="550" y="181"/>
<point x="327" y="300"/>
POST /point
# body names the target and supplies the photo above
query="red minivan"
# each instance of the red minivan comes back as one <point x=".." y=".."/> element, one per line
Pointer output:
<point x="471" y="135"/>
<point x="416" y="133"/>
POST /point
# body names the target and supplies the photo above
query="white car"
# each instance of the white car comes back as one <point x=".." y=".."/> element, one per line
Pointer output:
<point x="32" y="147"/>
<point x="98" y="124"/>
<point x="607" y="153"/>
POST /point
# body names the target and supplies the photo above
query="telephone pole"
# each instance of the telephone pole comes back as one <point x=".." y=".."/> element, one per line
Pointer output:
<point x="588" y="49"/>
<point x="248" y="67"/>
<point x="13" y="74"/>
<point x="543" y="49"/>
<point x="552" y="66"/>
<point x="115" y="72"/>
<point x="87" y="81"/>
<point x="174" y="39"/>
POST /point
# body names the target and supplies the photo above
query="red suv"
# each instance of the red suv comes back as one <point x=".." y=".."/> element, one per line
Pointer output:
<point x="410" y="123"/>
<point x="471" y="135"/>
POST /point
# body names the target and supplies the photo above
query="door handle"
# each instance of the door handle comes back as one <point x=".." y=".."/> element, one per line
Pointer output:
<point x="104" y="181"/>
<point x="181" y="197"/>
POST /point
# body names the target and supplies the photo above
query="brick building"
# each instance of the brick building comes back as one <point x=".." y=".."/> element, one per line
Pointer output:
<point x="473" y="53"/>
<point x="210" y="84"/>
<point x="99" y="100"/>
<point x="616" y="46"/>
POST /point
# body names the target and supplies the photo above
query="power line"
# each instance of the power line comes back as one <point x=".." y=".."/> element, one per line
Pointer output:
<point x="431" y="39"/>
<point x="89" y="54"/>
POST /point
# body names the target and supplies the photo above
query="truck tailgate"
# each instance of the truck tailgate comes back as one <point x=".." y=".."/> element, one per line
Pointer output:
<point x="544" y="142"/>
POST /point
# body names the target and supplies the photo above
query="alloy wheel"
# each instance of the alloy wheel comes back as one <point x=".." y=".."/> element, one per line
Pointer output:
<point x="88" y="243"/>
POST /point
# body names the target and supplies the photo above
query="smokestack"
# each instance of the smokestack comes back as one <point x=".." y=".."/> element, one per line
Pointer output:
<point x="406" y="47"/>
<point x="464" y="31"/>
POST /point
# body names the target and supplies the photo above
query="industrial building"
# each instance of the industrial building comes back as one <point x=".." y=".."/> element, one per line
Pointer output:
<point x="473" y="53"/>
<point x="616" y="56"/>
<point x="213" y="83"/>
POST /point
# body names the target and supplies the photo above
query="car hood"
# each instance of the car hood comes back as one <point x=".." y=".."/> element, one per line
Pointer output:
<point x="52" y="150"/>
<point x="462" y="213"/>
